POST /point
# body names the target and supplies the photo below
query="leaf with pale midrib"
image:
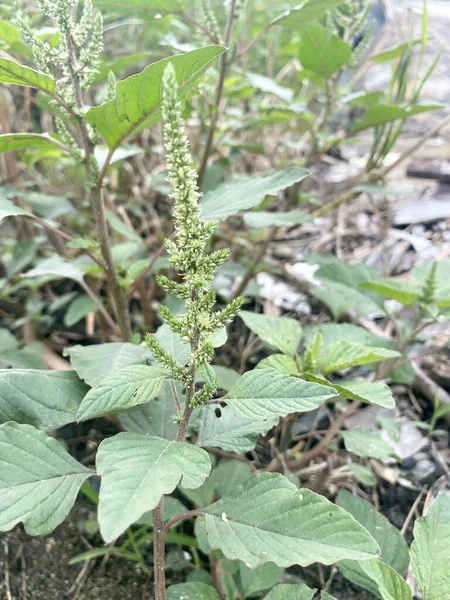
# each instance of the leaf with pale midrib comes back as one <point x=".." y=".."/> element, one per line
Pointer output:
<point x="13" y="73"/>
<point x="223" y="428"/>
<point x="389" y="584"/>
<point x="39" y="480"/>
<point x="282" y="333"/>
<point x="231" y="197"/>
<point x="155" y="417"/>
<point x="45" y="399"/>
<point x="129" y="387"/>
<point x="343" y="355"/>
<point x="267" y="519"/>
<point x="94" y="363"/>
<point x="136" y="470"/>
<point x="26" y="141"/>
<point x="137" y="103"/>
<point x="264" y="393"/>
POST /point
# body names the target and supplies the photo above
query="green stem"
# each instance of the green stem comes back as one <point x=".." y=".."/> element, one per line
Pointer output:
<point x="136" y="549"/>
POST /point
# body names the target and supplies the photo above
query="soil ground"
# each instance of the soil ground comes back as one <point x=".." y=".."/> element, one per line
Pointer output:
<point x="37" y="568"/>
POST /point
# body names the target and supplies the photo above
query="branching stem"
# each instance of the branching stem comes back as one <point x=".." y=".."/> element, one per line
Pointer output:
<point x="96" y="196"/>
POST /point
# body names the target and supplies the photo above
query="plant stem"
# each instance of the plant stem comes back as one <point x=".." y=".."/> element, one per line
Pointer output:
<point x="120" y="302"/>
<point x="90" y="292"/>
<point x="257" y="258"/>
<point x="182" y="517"/>
<point x="159" y="552"/>
<point x="219" y="91"/>
<point x="159" y="557"/>
<point x="96" y="195"/>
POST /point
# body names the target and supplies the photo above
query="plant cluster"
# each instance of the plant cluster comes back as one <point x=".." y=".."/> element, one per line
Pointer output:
<point x="176" y="408"/>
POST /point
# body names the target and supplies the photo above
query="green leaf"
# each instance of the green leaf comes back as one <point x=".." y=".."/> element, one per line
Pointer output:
<point x="194" y="590"/>
<point x="441" y="411"/>
<point x="404" y="292"/>
<point x="56" y="268"/>
<point x="96" y="553"/>
<point x="9" y="209"/>
<point x="302" y="15"/>
<point x="341" y="298"/>
<point x="389" y="584"/>
<point x="172" y="508"/>
<point x="326" y="596"/>
<point x="137" y="104"/>
<point x="264" y="393"/>
<point x="322" y="52"/>
<point x="313" y="353"/>
<point x="276" y="219"/>
<point x="269" y="86"/>
<point x="395" y="51"/>
<point x="363" y="474"/>
<point x="79" y="309"/>
<point x="12" y="72"/>
<point x="39" y="482"/>
<point x="136" y="470"/>
<point x="343" y="354"/>
<point x="230" y="198"/>
<point x="44" y="205"/>
<point x="156" y="417"/>
<point x="430" y="550"/>
<point x="288" y="591"/>
<point x="364" y="442"/>
<point x="45" y="399"/>
<point x="259" y="579"/>
<point x="333" y="269"/>
<point x="172" y="343"/>
<point x="201" y="496"/>
<point x="7" y="341"/>
<point x="101" y="153"/>
<point x="267" y="519"/>
<point x="221" y="427"/>
<point x="281" y="333"/>
<point x="25" y="141"/>
<point x="372" y="392"/>
<point x="8" y="33"/>
<point x="128" y="387"/>
<point x="281" y="363"/>
<point x="335" y="332"/>
<point x="225" y="377"/>
<point x="94" y="363"/>
<point x="394" y="549"/>
<point x="219" y="337"/>
<point x="229" y="474"/>
<point x="364" y="99"/>
<point x="381" y="114"/>
<point x="422" y="272"/>
<point x="118" y="225"/>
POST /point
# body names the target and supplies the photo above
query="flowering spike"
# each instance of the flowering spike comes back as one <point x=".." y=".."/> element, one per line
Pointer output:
<point x="188" y="251"/>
